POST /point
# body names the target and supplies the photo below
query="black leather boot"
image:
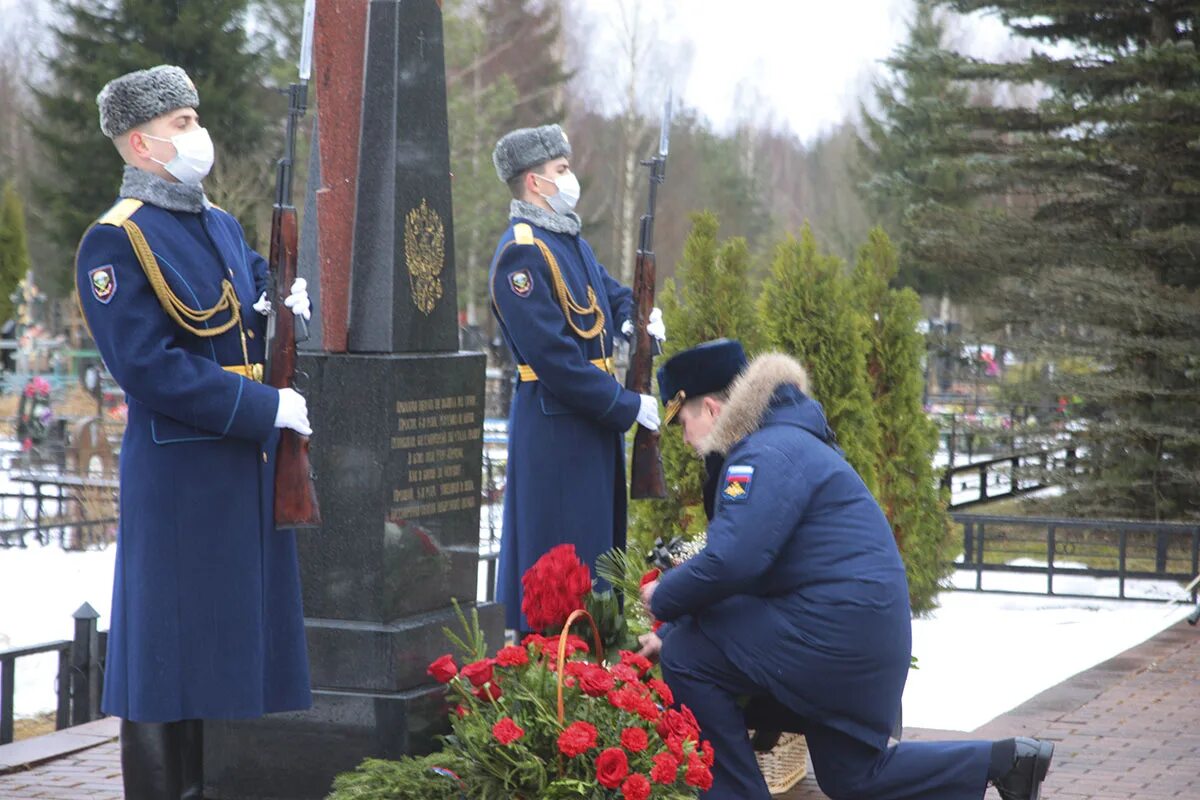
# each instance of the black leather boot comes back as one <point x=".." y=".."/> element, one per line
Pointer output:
<point x="1023" y="780"/>
<point x="150" y="760"/>
<point x="191" y="759"/>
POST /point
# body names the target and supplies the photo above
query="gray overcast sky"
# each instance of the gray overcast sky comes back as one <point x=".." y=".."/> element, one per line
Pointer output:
<point x="800" y="64"/>
<point x="803" y="64"/>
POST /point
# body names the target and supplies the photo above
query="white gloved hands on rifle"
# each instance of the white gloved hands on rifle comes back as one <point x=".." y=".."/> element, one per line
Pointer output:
<point x="648" y="414"/>
<point x="297" y="301"/>
<point x="654" y="326"/>
<point x="293" y="412"/>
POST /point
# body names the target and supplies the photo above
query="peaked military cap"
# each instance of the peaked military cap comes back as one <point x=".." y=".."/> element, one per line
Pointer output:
<point x="524" y="148"/>
<point x="138" y="97"/>
<point x="700" y="370"/>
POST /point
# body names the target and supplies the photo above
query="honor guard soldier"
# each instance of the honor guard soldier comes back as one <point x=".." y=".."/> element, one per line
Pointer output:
<point x="799" y="601"/>
<point x="558" y="311"/>
<point x="206" y="614"/>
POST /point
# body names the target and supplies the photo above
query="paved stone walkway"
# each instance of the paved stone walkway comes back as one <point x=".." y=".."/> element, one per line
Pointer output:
<point x="1127" y="728"/>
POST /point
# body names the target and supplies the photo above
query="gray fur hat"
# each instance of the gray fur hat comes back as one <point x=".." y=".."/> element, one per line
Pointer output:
<point x="138" y="97"/>
<point x="527" y="147"/>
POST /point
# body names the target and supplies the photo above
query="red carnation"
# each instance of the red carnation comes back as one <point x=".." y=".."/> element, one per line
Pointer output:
<point x="512" y="656"/>
<point x="666" y="767"/>
<point x="479" y="672"/>
<point x="577" y="739"/>
<point x="706" y="753"/>
<point x="443" y="669"/>
<point x="612" y="766"/>
<point x="698" y="775"/>
<point x="625" y="673"/>
<point x="640" y="663"/>
<point x="506" y="731"/>
<point x="574" y="645"/>
<point x="535" y="639"/>
<point x="635" y="787"/>
<point x="634" y="740"/>
<point x="595" y="681"/>
<point x="675" y="723"/>
<point x="554" y="587"/>
<point x="662" y="690"/>
<point x="460" y="711"/>
<point x="646" y="709"/>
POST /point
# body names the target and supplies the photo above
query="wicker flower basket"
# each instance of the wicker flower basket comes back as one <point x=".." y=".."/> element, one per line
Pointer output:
<point x="785" y="764"/>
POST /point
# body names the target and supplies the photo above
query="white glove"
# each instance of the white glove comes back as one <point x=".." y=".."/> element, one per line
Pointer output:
<point x="654" y="326"/>
<point x="298" y="301"/>
<point x="648" y="414"/>
<point x="263" y="306"/>
<point x="293" y="412"/>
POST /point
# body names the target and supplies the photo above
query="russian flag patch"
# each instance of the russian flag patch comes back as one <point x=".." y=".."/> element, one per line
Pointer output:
<point x="737" y="483"/>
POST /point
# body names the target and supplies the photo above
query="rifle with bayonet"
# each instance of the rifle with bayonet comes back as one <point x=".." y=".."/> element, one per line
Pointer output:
<point x="295" y="491"/>
<point x="646" y="479"/>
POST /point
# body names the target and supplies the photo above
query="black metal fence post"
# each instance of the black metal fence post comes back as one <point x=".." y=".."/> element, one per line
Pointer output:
<point x="85" y="667"/>
<point x="7" y="688"/>
<point x="1050" y="560"/>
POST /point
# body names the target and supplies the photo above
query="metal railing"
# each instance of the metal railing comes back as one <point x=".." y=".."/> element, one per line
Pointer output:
<point x="80" y="674"/>
<point x="1095" y="548"/>
<point x="1008" y="476"/>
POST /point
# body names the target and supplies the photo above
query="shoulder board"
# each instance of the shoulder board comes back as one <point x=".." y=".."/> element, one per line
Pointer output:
<point x="523" y="233"/>
<point x="122" y="211"/>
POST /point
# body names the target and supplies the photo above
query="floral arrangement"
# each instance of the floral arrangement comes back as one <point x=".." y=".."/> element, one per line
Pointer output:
<point x="540" y="720"/>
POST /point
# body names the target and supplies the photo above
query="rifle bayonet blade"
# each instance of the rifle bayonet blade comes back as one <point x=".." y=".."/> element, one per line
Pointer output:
<point x="664" y="136"/>
<point x="306" y="39"/>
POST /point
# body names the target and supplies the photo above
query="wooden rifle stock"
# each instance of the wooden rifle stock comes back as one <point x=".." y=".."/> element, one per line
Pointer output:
<point x="646" y="479"/>
<point x="295" y="493"/>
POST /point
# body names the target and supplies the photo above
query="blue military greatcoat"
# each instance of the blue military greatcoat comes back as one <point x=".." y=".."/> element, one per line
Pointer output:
<point x="566" y="465"/>
<point x="206" y="615"/>
<point x="799" y="602"/>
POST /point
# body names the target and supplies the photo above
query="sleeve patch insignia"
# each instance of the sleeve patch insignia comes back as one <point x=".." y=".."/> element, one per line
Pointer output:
<point x="521" y="282"/>
<point x="737" y="483"/>
<point x="104" y="283"/>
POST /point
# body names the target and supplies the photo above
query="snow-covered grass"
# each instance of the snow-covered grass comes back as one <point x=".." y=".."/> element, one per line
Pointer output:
<point x="40" y="588"/>
<point x="982" y="654"/>
<point x="979" y="654"/>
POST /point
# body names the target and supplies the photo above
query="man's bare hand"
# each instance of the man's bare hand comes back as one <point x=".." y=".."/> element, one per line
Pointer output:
<point x="651" y="646"/>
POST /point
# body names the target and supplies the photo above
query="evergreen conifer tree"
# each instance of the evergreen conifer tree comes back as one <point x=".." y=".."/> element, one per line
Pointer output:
<point x="14" y="251"/>
<point x="708" y="298"/>
<point x="808" y="309"/>
<point x="1094" y="230"/>
<point x="908" y="488"/>
<point x="899" y="166"/>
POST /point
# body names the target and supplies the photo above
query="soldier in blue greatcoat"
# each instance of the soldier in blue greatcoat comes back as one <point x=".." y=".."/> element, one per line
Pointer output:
<point x="559" y="311"/>
<point x="798" y="604"/>
<point x="206" y="615"/>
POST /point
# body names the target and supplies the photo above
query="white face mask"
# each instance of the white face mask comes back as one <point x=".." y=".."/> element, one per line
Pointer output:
<point x="568" y="193"/>
<point x="194" y="155"/>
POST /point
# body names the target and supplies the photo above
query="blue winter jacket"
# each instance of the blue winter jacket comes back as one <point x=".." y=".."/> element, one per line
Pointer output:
<point x="800" y="583"/>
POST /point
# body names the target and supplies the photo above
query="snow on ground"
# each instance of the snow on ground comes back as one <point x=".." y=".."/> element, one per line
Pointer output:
<point x="979" y="654"/>
<point x="40" y="588"/>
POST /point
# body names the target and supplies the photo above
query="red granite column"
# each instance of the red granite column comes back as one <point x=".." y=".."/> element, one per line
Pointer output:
<point x="339" y="47"/>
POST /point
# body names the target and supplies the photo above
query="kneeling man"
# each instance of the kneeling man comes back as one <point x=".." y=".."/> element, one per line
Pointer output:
<point x="799" y="601"/>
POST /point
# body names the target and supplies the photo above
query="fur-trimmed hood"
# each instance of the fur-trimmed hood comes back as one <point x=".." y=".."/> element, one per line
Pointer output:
<point x="750" y="400"/>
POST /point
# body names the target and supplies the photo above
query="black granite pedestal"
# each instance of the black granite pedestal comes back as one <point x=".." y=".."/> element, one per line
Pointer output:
<point x="397" y="459"/>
